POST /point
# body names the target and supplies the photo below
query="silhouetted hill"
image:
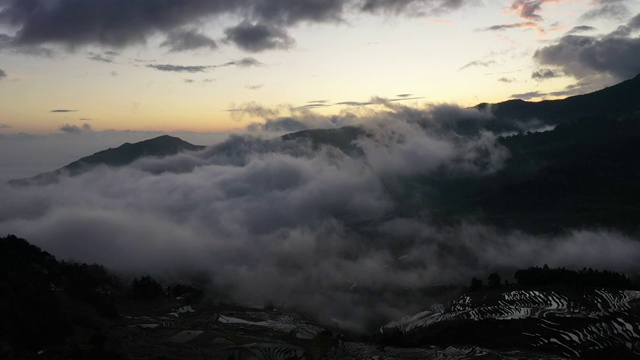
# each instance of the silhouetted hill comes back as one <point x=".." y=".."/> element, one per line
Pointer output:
<point x="340" y="138"/>
<point x="614" y="102"/>
<point x="123" y="155"/>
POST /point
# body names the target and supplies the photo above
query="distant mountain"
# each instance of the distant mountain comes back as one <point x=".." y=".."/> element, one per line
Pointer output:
<point x="614" y="102"/>
<point x="582" y="174"/>
<point x="123" y="155"/>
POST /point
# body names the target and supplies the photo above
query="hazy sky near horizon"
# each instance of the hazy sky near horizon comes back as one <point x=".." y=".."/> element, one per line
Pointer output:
<point x="216" y="65"/>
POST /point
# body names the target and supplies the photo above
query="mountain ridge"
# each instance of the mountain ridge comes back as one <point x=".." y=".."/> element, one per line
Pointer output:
<point x="124" y="154"/>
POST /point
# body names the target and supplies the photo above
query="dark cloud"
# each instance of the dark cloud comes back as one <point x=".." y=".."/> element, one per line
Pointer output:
<point x="179" y="68"/>
<point x="3" y="74"/>
<point x="189" y="81"/>
<point x="5" y="126"/>
<point x="184" y="40"/>
<point x="412" y="7"/>
<point x="506" y="80"/>
<point x="520" y="25"/>
<point x="634" y="23"/>
<point x="243" y="63"/>
<point x="580" y="28"/>
<point x="616" y="9"/>
<point x="252" y="109"/>
<point x="528" y="95"/>
<point x="615" y="55"/>
<point x="74" y="129"/>
<point x="258" y="37"/>
<point x="478" y="63"/>
<point x="63" y="111"/>
<point x="569" y="90"/>
<point x="355" y="103"/>
<point x="8" y="43"/>
<point x="317" y="102"/>
<point x="311" y="106"/>
<point x="403" y="95"/>
<point x="119" y="23"/>
<point x="106" y="57"/>
<point x="544" y="74"/>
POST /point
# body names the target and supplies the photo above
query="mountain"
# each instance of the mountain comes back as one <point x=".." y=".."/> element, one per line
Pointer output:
<point x="123" y="155"/>
<point x="581" y="174"/>
<point x="614" y="102"/>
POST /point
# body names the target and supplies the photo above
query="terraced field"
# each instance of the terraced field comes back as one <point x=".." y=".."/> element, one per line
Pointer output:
<point x="563" y="323"/>
<point x="239" y="333"/>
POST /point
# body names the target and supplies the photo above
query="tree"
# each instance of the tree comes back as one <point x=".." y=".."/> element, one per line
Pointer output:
<point x="146" y="288"/>
<point x="476" y="284"/>
<point x="494" y="280"/>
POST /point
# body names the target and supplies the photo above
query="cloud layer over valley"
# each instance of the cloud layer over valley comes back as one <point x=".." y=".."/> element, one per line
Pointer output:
<point x="296" y="224"/>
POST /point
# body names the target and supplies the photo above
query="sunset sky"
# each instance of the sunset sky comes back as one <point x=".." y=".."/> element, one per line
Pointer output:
<point x="200" y="65"/>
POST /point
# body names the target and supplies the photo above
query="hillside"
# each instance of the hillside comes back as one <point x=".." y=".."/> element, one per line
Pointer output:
<point x="58" y="310"/>
<point x="123" y="155"/>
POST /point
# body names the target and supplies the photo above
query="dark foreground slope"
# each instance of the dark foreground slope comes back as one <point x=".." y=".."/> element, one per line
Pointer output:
<point x="123" y="155"/>
<point x="57" y="310"/>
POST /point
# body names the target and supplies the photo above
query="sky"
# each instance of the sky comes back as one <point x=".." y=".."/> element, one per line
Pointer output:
<point x="69" y="66"/>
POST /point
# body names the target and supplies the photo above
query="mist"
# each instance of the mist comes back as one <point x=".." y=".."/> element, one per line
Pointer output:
<point x="274" y="221"/>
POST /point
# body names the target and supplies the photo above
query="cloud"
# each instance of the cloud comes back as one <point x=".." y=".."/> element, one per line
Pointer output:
<point x="63" y="111"/>
<point x="258" y="37"/>
<point x="544" y="74"/>
<point x="243" y="63"/>
<point x="74" y="129"/>
<point x="106" y="57"/>
<point x="252" y="109"/>
<point x="185" y="40"/>
<point x="254" y="87"/>
<point x="529" y="9"/>
<point x="634" y="23"/>
<point x="502" y="27"/>
<point x="615" y="9"/>
<point x="314" y="229"/>
<point x="506" y="80"/>
<point x="5" y="126"/>
<point x="412" y="7"/>
<point x="528" y="95"/>
<point x="615" y="55"/>
<point x="121" y="23"/>
<point x="179" y="68"/>
<point x="569" y="90"/>
<point x="8" y="43"/>
<point x="3" y="74"/>
<point x="478" y="63"/>
<point x="580" y="28"/>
